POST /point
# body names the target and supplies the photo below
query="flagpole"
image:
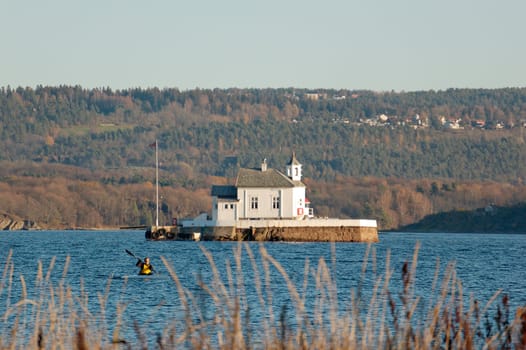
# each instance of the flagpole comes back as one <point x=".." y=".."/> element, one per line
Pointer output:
<point x="157" y="182"/>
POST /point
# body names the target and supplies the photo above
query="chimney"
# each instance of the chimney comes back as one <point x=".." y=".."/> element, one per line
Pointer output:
<point x="264" y="165"/>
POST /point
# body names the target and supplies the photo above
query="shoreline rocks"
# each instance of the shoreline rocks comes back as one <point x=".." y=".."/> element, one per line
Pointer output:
<point x="8" y="223"/>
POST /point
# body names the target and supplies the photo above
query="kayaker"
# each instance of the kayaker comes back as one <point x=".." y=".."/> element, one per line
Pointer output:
<point x="146" y="267"/>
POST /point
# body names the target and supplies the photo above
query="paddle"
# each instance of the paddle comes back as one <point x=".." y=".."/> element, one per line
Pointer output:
<point x="130" y="253"/>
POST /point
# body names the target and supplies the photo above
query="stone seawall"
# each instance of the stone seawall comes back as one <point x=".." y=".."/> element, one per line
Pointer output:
<point x="290" y="234"/>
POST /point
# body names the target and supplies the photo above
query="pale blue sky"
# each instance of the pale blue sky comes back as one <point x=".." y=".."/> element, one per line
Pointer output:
<point x="373" y="44"/>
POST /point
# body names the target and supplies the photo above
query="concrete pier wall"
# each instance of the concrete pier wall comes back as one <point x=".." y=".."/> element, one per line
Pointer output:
<point x="309" y="234"/>
<point x="290" y="234"/>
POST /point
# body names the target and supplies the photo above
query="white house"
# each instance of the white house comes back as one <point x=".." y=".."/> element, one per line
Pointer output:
<point x="262" y="193"/>
<point x="271" y="205"/>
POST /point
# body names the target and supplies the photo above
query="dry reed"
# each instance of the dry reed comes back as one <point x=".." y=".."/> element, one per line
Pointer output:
<point x="391" y="317"/>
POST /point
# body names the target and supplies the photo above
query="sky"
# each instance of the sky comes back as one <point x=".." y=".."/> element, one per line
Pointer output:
<point x="380" y="45"/>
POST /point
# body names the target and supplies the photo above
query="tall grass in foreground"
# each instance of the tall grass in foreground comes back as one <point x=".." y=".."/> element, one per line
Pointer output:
<point x="57" y="318"/>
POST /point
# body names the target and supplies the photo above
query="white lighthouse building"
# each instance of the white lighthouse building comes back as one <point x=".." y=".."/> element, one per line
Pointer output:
<point x="262" y="193"/>
<point x="266" y="204"/>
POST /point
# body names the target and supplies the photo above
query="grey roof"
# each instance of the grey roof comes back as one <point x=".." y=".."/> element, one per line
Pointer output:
<point x="224" y="191"/>
<point x="270" y="178"/>
<point x="293" y="160"/>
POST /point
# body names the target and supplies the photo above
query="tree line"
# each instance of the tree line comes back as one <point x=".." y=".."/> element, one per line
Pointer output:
<point x="98" y="140"/>
<point x="212" y="131"/>
<point x="59" y="196"/>
<point x="46" y="106"/>
<point x="326" y="150"/>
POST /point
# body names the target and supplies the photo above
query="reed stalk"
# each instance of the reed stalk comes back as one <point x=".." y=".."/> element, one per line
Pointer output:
<point x="313" y="316"/>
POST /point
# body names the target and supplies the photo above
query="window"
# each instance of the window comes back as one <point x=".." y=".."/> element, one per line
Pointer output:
<point x="254" y="202"/>
<point x="231" y="206"/>
<point x="226" y="206"/>
<point x="275" y="202"/>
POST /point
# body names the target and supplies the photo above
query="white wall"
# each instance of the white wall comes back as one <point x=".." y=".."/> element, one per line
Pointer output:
<point x="265" y="209"/>
<point x="319" y="222"/>
<point x="298" y="201"/>
<point x="226" y="212"/>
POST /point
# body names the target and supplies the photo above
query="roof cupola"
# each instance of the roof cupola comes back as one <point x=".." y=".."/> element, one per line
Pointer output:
<point x="294" y="168"/>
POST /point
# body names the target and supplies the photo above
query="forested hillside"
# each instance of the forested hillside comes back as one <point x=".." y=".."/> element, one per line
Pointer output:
<point x="81" y="157"/>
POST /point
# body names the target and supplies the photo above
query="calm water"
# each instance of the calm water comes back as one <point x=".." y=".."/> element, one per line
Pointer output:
<point x="484" y="263"/>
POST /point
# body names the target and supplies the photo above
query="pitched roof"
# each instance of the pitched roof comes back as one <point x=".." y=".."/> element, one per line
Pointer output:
<point x="221" y="191"/>
<point x="268" y="178"/>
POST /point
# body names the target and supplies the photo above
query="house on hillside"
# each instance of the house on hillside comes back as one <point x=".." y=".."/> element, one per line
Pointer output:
<point x="450" y="123"/>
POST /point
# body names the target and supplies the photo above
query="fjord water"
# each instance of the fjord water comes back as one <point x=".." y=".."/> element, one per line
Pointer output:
<point x="484" y="264"/>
